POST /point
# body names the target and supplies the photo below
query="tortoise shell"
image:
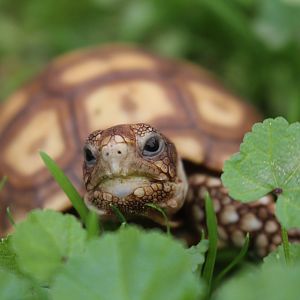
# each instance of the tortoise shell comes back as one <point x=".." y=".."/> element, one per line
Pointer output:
<point x="98" y="88"/>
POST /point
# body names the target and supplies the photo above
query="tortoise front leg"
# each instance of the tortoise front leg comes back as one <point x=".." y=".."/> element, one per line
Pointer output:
<point x="235" y="218"/>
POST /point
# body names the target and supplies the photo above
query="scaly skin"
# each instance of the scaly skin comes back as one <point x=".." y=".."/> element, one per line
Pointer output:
<point x="121" y="169"/>
<point x="235" y="219"/>
<point x="116" y="172"/>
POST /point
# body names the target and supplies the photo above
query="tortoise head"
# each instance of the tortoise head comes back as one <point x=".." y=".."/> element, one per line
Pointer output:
<point x="130" y="166"/>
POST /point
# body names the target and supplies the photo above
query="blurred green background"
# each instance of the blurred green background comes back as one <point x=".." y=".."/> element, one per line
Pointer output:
<point x="253" y="46"/>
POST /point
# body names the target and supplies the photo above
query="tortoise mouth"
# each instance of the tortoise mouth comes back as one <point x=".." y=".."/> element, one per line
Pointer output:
<point x="122" y="187"/>
<point x="129" y="194"/>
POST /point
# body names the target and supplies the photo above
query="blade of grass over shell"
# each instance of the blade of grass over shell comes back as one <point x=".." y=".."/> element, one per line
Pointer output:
<point x="286" y="246"/>
<point x="2" y="182"/>
<point x="119" y="215"/>
<point x="10" y="216"/>
<point x="234" y="262"/>
<point x="211" y="223"/>
<point x="201" y="239"/>
<point x="66" y="185"/>
<point x="93" y="225"/>
<point x="162" y="212"/>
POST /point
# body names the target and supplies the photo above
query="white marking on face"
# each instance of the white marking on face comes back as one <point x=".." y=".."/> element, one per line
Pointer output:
<point x="114" y="154"/>
<point x="139" y="192"/>
<point x="119" y="139"/>
<point x="122" y="187"/>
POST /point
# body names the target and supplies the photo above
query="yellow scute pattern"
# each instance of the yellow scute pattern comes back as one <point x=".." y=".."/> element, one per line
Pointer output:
<point x="12" y="106"/>
<point x="42" y="132"/>
<point x="189" y="147"/>
<point x="127" y="102"/>
<point x="94" y="67"/>
<point x="216" y="107"/>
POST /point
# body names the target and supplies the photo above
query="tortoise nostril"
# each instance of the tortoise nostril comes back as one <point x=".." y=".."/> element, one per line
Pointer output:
<point x="113" y="152"/>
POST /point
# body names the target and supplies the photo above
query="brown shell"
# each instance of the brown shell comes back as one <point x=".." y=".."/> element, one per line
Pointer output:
<point x="99" y="87"/>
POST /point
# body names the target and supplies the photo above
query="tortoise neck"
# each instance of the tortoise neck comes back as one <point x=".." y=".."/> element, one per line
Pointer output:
<point x="182" y="182"/>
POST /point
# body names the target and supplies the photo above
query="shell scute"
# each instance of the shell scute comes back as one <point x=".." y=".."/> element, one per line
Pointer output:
<point x="100" y="87"/>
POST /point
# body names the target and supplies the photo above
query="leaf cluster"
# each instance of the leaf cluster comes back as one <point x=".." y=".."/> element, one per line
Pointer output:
<point x="268" y="161"/>
<point x="49" y="256"/>
<point x="274" y="279"/>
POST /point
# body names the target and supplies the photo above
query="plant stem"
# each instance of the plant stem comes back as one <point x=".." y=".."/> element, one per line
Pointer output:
<point x="286" y="246"/>
<point x="93" y="225"/>
<point x="160" y="210"/>
<point x="234" y="262"/>
<point x="119" y="215"/>
<point x="211" y="222"/>
<point x="10" y="217"/>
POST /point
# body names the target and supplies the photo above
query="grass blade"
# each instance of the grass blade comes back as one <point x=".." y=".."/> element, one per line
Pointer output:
<point x="211" y="223"/>
<point x="2" y="182"/>
<point x="234" y="262"/>
<point x="162" y="212"/>
<point x="119" y="215"/>
<point x="66" y="185"/>
<point x="93" y="225"/>
<point x="286" y="246"/>
<point x="10" y="216"/>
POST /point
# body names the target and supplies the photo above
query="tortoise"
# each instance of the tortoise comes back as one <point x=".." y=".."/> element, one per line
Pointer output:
<point x="97" y="88"/>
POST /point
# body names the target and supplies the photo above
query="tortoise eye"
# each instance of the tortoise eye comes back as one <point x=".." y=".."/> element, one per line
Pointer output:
<point x="153" y="146"/>
<point x="89" y="156"/>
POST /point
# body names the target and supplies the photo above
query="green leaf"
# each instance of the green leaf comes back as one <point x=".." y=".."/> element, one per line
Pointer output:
<point x="129" y="264"/>
<point x="25" y="289"/>
<point x="45" y="241"/>
<point x="269" y="160"/>
<point x="278" y="22"/>
<point x="277" y="257"/>
<point x="271" y="283"/>
<point x="66" y="186"/>
<point x="197" y="254"/>
<point x="7" y="255"/>
<point x="13" y="287"/>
